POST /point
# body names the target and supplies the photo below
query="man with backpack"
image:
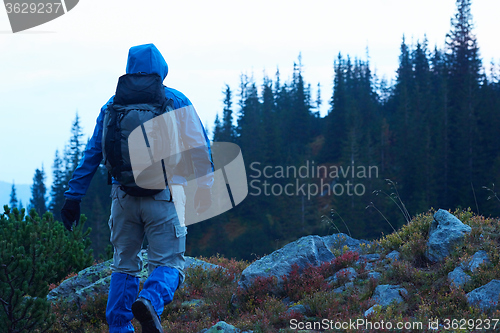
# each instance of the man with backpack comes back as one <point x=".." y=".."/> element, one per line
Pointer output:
<point x="156" y="212"/>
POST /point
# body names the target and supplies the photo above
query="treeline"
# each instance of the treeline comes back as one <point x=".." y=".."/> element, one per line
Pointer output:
<point x="433" y="133"/>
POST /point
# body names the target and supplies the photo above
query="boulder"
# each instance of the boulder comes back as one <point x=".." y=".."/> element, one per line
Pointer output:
<point x="369" y="260"/>
<point x="309" y="250"/>
<point x="485" y="297"/>
<point x="446" y="231"/>
<point x="372" y="310"/>
<point x="458" y="278"/>
<point x="194" y="303"/>
<point x="345" y="287"/>
<point x="374" y="275"/>
<point x="393" y="255"/>
<point x="479" y="258"/>
<point x="338" y="241"/>
<point x="386" y="294"/>
<point x="95" y="280"/>
<point x="193" y="263"/>
<point x="368" y="257"/>
<point x="299" y="308"/>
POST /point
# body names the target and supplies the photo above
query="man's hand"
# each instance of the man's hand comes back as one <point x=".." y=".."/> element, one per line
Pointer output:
<point x="202" y="200"/>
<point x="70" y="213"/>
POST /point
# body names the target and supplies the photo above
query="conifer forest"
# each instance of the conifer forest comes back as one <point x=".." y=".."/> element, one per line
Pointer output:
<point x="385" y="150"/>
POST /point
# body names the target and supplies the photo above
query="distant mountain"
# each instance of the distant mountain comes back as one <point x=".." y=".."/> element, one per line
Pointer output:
<point x="23" y="193"/>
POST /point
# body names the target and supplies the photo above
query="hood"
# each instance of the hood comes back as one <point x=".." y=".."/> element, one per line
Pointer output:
<point x="146" y="58"/>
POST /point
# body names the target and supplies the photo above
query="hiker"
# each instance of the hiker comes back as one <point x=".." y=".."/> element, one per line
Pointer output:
<point x="158" y="216"/>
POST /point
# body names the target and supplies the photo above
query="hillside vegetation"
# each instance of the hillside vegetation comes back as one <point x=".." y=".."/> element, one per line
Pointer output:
<point x="308" y="295"/>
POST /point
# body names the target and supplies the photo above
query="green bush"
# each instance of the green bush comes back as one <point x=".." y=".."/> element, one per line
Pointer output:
<point x="35" y="252"/>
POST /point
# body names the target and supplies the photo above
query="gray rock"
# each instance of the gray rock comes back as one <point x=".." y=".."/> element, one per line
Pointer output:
<point x="193" y="263"/>
<point x="299" y="308"/>
<point x="194" y="303"/>
<point x="486" y="297"/>
<point x="369" y="257"/>
<point x="458" y="278"/>
<point x="369" y="266"/>
<point x="348" y="273"/>
<point x="309" y="250"/>
<point x="446" y="231"/>
<point x="374" y="275"/>
<point x="95" y="280"/>
<point x="369" y="260"/>
<point x="371" y="310"/>
<point x="393" y="255"/>
<point x="385" y="294"/>
<point x="479" y="258"/>
<point x="341" y="289"/>
<point x="223" y="327"/>
<point x="338" y="241"/>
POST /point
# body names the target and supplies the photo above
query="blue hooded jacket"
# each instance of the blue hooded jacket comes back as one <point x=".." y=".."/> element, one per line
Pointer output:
<point x="148" y="59"/>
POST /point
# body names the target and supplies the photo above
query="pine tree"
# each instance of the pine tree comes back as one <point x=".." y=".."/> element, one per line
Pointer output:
<point x="272" y="143"/>
<point x="318" y="101"/>
<point x="228" y="134"/>
<point x="249" y="127"/>
<point x="13" y="197"/>
<point x="440" y="109"/>
<point x="335" y="131"/>
<point x="464" y="83"/>
<point x="35" y="252"/>
<point x="298" y="123"/>
<point x="73" y="153"/>
<point x="59" y="186"/>
<point x="38" y="190"/>
<point x="217" y="129"/>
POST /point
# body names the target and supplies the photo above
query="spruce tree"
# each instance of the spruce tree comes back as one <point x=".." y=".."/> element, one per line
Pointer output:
<point x="59" y="186"/>
<point x="298" y="124"/>
<point x="73" y="153"/>
<point x="217" y="129"/>
<point x="464" y="83"/>
<point x="13" y="197"/>
<point x="442" y="130"/>
<point x="335" y="130"/>
<point x="228" y="134"/>
<point x="272" y="145"/>
<point x="38" y="193"/>
<point x="249" y="127"/>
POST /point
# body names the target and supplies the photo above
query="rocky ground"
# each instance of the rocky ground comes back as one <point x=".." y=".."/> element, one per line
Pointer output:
<point x="441" y="270"/>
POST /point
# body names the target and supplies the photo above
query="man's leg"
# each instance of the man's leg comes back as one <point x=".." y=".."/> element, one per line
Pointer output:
<point x="160" y="287"/>
<point x="122" y="293"/>
<point x="127" y="234"/>
<point x="167" y="243"/>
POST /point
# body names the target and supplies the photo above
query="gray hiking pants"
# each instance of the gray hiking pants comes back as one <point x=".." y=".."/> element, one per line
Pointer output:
<point x="161" y="221"/>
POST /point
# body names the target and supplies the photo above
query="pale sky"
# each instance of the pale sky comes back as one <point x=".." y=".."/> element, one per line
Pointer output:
<point x="73" y="63"/>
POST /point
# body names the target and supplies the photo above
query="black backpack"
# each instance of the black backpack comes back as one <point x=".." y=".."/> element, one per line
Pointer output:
<point x="139" y="103"/>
